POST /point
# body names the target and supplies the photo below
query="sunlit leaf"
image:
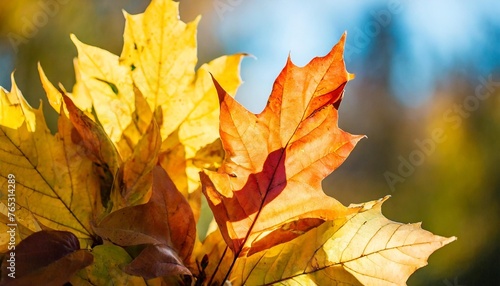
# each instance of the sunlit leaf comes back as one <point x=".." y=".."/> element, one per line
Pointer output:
<point x="142" y="135"/>
<point x="275" y="161"/>
<point x="268" y="202"/>
<point x="106" y="267"/>
<point x="54" y="179"/>
<point x="364" y="248"/>
<point x="158" y="61"/>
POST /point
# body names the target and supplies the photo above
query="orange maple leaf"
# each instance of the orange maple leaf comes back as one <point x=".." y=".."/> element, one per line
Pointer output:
<point x="268" y="190"/>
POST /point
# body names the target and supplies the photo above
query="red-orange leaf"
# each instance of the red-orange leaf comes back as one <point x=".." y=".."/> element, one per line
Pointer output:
<point x="166" y="219"/>
<point x="268" y="190"/>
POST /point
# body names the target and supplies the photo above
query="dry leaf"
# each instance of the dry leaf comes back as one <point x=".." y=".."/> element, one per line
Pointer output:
<point x="271" y="177"/>
<point x="269" y="205"/>
<point x="166" y="222"/>
<point x="49" y="256"/>
<point x="55" y="179"/>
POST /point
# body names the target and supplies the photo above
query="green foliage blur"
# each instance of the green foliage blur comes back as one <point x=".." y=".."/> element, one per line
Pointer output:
<point x="437" y="160"/>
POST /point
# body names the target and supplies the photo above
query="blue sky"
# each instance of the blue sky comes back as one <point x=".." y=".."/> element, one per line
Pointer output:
<point x="432" y="38"/>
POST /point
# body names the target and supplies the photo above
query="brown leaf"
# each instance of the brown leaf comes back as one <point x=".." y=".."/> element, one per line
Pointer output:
<point x="100" y="150"/>
<point x="48" y="257"/>
<point x="157" y="261"/>
<point x="137" y="175"/>
<point x="166" y="219"/>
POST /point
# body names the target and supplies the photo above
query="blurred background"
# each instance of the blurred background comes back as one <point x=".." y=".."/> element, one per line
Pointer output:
<point x="426" y="93"/>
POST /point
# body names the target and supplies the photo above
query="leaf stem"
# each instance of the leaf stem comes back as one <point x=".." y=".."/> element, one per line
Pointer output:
<point x="217" y="268"/>
<point x="237" y="254"/>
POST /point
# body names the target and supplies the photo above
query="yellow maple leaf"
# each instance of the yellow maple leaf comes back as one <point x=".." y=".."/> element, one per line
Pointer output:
<point x="55" y="183"/>
<point x="157" y="65"/>
<point x="363" y="248"/>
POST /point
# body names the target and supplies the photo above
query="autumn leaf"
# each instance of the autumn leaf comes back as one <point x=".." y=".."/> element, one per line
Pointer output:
<point x="364" y="248"/>
<point x="49" y="256"/>
<point x="157" y="66"/>
<point x="268" y="202"/>
<point x="271" y="177"/>
<point x="137" y="144"/>
<point x="24" y="227"/>
<point x="137" y="170"/>
<point x="55" y="180"/>
<point x="166" y="223"/>
<point x="108" y="260"/>
<point x="107" y="86"/>
<point x="213" y="255"/>
<point x="157" y="261"/>
<point x="100" y="150"/>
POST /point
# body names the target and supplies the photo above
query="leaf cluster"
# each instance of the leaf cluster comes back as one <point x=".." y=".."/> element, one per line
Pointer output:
<point x="115" y="195"/>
